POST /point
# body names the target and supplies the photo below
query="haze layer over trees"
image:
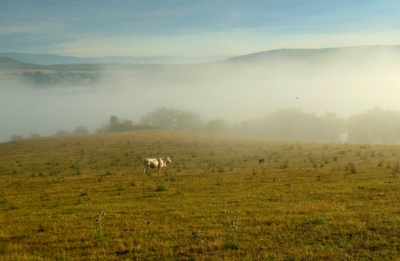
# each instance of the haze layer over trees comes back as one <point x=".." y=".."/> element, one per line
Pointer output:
<point x="337" y="94"/>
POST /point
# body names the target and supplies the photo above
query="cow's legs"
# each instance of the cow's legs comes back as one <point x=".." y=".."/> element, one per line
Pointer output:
<point x="144" y="170"/>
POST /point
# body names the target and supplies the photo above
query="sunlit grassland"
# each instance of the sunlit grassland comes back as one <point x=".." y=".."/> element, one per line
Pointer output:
<point x="84" y="197"/>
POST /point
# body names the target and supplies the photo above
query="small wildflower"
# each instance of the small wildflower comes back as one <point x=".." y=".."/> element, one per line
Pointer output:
<point x="99" y="237"/>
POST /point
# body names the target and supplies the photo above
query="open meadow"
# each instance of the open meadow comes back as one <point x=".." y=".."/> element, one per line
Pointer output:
<point x="85" y="198"/>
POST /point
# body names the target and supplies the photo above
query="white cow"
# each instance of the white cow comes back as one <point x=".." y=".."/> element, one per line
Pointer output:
<point x="156" y="163"/>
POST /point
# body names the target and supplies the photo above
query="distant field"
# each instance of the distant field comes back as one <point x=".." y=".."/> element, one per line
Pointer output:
<point x="84" y="198"/>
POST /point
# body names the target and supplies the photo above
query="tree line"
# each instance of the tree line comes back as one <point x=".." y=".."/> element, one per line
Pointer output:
<point x="376" y="126"/>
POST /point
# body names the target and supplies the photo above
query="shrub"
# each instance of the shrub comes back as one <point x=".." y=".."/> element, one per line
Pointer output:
<point x="161" y="187"/>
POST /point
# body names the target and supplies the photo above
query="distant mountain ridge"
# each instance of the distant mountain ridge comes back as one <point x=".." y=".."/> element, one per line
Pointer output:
<point x="48" y="59"/>
<point x="321" y="54"/>
<point x="10" y="63"/>
<point x="357" y="53"/>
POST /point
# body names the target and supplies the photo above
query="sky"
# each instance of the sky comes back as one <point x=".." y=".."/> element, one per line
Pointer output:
<point x="204" y="28"/>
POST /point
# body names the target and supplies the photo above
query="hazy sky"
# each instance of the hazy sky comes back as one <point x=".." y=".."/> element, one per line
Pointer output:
<point x="193" y="28"/>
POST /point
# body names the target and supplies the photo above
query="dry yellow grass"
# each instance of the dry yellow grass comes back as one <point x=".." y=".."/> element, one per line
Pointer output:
<point x="84" y="198"/>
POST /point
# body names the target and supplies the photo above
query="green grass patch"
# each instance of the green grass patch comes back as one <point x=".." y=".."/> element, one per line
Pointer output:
<point x="85" y="198"/>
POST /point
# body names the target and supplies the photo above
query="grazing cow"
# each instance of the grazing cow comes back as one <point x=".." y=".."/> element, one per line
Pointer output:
<point x="261" y="161"/>
<point x="159" y="163"/>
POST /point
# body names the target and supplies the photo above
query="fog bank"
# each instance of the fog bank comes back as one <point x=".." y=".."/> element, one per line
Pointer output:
<point x="233" y="91"/>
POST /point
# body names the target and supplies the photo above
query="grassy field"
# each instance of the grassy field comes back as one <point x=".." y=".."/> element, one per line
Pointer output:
<point x="84" y="198"/>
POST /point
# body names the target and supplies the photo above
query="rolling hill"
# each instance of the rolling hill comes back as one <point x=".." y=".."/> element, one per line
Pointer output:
<point x="7" y="63"/>
<point x="325" y="55"/>
<point x="49" y="59"/>
<point x="358" y="53"/>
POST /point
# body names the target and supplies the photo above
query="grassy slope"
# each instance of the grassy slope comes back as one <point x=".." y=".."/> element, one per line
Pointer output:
<point x="309" y="201"/>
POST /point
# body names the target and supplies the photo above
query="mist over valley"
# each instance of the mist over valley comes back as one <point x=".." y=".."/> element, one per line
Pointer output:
<point x="341" y="81"/>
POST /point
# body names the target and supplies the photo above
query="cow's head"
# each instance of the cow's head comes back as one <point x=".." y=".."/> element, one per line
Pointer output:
<point x="167" y="160"/>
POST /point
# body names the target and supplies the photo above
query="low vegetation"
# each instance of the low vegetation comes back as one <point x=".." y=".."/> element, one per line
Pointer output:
<point x="84" y="198"/>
